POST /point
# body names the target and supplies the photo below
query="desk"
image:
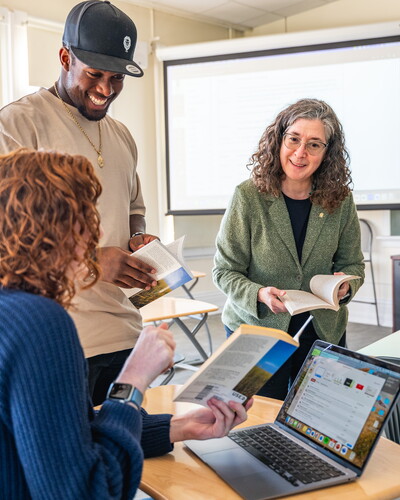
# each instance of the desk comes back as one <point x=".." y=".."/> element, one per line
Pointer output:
<point x="181" y="475"/>
<point x="196" y="276"/>
<point x="388" y="346"/>
<point x="188" y="290"/>
<point x="167" y="308"/>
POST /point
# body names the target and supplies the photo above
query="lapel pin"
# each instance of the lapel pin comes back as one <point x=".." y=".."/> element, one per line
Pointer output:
<point x="321" y="214"/>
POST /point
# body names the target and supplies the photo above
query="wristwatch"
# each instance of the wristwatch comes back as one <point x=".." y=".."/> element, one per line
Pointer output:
<point x="345" y="298"/>
<point x="125" y="393"/>
<point x="137" y="234"/>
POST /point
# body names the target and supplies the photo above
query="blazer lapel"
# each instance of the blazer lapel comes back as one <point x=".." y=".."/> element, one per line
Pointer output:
<point x="281" y="221"/>
<point x="316" y="221"/>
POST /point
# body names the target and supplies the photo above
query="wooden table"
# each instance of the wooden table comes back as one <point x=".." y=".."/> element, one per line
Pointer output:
<point x="182" y="476"/>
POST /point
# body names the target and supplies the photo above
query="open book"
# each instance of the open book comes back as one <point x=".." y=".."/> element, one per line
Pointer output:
<point x="171" y="271"/>
<point x="324" y="294"/>
<point x="240" y="366"/>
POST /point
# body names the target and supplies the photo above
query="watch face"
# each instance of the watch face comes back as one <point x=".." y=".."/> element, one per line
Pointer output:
<point x="120" y="391"/>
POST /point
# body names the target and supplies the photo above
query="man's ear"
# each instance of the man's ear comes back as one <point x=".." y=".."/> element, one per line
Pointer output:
<point x="65" y="58"/>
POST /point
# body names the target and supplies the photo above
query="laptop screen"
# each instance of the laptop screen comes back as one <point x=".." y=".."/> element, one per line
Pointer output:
<point x="340" y="400"/>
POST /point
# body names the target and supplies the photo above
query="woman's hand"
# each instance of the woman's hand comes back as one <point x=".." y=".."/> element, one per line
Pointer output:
<point x="153" y="354"/>
<point x="205" y="423"/>
<point x="344" y="287"/>
<point x="270" y="297"/>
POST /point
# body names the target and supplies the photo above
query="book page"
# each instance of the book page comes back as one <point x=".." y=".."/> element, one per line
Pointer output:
<point x="326" y="286"/>
<point x="325" y="294"/>
<point x="221" y="374"/>
<point x="298" y="301"/>
<point x="176" y="248"/>
<point x="158" y="256"/>
<point x="166" y="263"/>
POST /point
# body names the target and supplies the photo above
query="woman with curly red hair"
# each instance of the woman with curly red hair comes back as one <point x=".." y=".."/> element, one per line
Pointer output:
<point x="293" y="219"/>
<point x="47" y="213"/>
<point x="52" y="444"/>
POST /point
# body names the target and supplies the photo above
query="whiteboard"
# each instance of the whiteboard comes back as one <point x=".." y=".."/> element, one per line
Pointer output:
<point x="217" y="108"/>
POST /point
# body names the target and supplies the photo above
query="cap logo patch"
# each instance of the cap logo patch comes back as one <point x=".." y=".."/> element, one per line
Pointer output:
<point x="127" y="43"/>
<point x="132" y="69"/>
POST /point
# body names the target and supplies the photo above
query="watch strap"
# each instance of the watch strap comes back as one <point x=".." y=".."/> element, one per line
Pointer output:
<point x="125" y="393"/>
<point x="345" y="298"/>
<point x="138" y="233"/>
<point x="136" y="398"/>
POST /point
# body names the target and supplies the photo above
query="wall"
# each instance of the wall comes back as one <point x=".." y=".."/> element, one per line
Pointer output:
<point x="138" y="107"/>
<point x="351" y="13"/>
<point x="335" y="14"/>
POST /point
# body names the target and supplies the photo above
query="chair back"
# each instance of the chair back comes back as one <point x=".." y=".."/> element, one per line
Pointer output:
<point x="366" y="239"/>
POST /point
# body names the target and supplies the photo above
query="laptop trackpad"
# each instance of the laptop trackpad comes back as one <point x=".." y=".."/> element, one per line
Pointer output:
<point x="247" y="475"/>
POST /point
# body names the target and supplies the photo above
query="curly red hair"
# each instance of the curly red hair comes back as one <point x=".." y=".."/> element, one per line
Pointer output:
<point x="47" y="212"/>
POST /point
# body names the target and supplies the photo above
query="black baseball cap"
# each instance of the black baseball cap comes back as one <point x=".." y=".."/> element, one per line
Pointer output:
<point x="102" y="36"/>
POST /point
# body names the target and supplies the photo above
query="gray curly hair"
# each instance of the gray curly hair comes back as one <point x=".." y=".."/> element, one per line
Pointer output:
<point x="331" y="181"/>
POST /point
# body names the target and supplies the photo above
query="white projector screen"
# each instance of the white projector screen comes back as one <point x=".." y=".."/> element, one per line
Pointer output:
<point x="218" y="107"/>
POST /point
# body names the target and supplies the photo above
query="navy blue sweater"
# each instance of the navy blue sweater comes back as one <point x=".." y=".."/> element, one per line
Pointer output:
<point x="52" y="445"/>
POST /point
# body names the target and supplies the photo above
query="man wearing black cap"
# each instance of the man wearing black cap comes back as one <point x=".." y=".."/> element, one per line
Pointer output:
<point x="98" y="46"/>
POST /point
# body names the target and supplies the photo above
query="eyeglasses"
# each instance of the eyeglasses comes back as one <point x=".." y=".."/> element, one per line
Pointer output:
<point x="314" y="148"/>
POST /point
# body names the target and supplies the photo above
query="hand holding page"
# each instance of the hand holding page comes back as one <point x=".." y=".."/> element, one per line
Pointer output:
<point x="324" y="294"/>
<point x="171" y="271"/>
<point x="240" y="366"/>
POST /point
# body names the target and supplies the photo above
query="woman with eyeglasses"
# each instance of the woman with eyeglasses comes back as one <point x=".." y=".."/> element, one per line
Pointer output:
<point x="294" y="218"/>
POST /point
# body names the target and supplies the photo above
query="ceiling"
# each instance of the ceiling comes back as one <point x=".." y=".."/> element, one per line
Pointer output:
<point x="238" y="14"/>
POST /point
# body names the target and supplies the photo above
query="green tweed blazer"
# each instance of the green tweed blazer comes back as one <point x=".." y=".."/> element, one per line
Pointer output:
<point x="256" y="248"/>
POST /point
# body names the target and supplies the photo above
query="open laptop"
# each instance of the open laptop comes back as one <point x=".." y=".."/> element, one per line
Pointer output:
<point x="323" y="435"/>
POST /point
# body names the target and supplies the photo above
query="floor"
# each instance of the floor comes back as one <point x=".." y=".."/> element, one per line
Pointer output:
<point x="358" y="336"/>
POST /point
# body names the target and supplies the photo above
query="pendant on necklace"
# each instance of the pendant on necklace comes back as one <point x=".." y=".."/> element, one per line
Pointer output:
<point x="100" y="161"/>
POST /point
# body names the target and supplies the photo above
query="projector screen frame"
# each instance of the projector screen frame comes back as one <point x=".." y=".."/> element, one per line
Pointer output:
<point x="291" y="49"/>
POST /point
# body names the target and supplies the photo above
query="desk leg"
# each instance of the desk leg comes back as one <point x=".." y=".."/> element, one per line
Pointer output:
<point x="187" y="366"/>
<point x="188" y="289"/>
<point x="190" y="295"/>
<point x="191" y="334"/>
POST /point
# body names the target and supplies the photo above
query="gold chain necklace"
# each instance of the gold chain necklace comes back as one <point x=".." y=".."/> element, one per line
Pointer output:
<point x="100" y="159"/>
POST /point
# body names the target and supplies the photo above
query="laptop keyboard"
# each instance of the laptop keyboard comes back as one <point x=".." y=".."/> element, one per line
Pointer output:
<point x="284" y="456"/>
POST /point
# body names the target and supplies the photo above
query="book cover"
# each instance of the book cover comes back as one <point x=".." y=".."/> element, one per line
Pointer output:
<point x="240" y="366"/>
<point x="171" y="271"/>
<point x="324" y="288"/>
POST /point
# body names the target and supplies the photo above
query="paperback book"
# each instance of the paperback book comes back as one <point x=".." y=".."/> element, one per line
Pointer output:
<point x="324" y="288"/>
<point x="171" y="271"/>
<point x="240" y="366"/>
